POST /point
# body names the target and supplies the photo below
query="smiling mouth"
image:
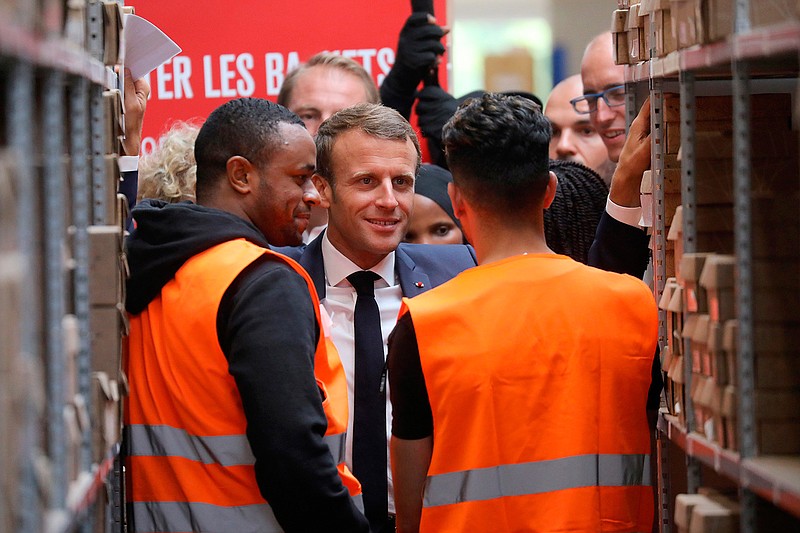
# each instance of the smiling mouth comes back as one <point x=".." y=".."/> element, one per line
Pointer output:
<point x="613" y="134"/>
<point x="383" y="223"/>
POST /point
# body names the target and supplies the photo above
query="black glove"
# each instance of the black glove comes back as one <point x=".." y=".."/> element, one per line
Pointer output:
<point x="418" y="48"/>
<point x="419" y="45"/>
<point x="435" y="106"/>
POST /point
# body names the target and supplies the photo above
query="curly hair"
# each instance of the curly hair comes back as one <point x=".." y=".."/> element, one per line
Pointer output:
<point x="169" y="172"/>
<point x="571" y="220"/>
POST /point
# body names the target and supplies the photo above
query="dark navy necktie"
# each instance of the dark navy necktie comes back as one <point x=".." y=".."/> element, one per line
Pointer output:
<point x="369" y="417"/>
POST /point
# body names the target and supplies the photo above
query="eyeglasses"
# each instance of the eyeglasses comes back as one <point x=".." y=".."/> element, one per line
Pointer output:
<point x="613" y="97"/>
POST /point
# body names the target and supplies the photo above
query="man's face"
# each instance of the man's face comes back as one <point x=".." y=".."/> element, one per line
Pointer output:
<point x="574" y="137"/>
<point x="371" y="197"/>
<point x="321" y="91"/>
<point x="284" y="193"/>
<point x="599" y="73"/>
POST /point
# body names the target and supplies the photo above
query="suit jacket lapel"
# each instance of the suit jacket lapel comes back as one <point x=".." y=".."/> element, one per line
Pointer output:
<point x="412" y="280"/>
<point x="312" y="261"/>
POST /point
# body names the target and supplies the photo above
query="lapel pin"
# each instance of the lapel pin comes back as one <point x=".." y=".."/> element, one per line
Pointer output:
<point x="419" y="285"/>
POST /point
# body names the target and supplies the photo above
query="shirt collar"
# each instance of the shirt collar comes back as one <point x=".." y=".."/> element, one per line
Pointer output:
<point x="338" y="267"/>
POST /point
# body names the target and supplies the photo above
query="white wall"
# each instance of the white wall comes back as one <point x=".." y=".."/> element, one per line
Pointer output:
<point x="573" y="23"/>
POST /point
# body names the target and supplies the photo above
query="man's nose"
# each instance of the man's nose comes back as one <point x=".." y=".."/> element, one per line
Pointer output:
<point x="310" y="193"/>
<point x="565" y="146"/>
<point x="386" y="195"/>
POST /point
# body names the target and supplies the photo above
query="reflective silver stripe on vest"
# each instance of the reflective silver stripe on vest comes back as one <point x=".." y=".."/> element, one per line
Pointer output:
<point x="166" y="517"/>
<point x="227" y="450"/>
<point x="537" y="477"/>
<point x="167" y="441"/>
<point x="336" y="445"/>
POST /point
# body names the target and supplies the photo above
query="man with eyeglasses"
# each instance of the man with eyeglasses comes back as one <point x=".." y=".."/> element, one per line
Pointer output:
<point x="603" y="93"/>
<point x="620" y="245"/>
<point x="625" y="250"/>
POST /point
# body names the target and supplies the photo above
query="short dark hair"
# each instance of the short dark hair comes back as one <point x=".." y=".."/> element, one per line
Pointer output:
<point x="373" y="119"/>
<point x="497" y="149"/>
<point x="247" y="127"/>
<point x="328" y="59"/>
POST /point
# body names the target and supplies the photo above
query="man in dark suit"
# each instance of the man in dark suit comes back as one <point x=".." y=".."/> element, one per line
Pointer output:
<point x="367" y="159"/>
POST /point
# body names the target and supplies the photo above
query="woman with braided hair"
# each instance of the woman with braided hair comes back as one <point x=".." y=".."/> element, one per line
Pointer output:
<point x="571" y="220"/>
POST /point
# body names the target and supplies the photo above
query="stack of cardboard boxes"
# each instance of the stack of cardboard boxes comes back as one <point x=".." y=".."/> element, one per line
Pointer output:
<point x="67" y="20"/>
<point x="706" y="511"/>
<point x="700" y="301"/>
<point x="680" y="24"/>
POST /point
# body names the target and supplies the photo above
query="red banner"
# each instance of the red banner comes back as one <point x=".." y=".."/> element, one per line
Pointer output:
<point x="246" y="48"/>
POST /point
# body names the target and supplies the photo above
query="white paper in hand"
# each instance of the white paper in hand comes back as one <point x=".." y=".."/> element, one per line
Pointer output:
<point x="146" y="46"/>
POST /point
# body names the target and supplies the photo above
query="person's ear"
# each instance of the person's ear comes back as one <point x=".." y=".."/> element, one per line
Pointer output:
<point x="239" y="172"/>
<point x="457" y="199"/>
<point x="324" y="188"/>
<point x="550" y="191"/>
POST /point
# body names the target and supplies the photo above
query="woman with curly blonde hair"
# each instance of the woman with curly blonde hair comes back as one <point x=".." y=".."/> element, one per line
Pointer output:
<point x="169" y="173"/>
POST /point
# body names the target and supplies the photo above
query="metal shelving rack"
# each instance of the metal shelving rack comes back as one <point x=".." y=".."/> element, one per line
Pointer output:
<point x="736" y="64"/>
<point x="54" y="128"/>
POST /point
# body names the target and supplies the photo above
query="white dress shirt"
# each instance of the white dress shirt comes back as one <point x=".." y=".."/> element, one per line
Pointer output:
<point x="631" y="216"/>
<point x="340" y="303"/>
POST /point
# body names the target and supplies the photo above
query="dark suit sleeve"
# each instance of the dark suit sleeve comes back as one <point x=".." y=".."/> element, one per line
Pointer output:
<point x="622" y="248"/>
<point x="619" y="247"/>
<point x="129" y="185"/>
<point x="268" y="331"/>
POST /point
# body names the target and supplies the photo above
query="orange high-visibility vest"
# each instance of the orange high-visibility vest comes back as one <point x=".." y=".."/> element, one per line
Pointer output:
<point x="190" y="463"/>
<point x="537" y="368"/>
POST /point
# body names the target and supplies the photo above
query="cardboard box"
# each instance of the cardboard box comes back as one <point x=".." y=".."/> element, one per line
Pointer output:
<point x="646" y="199"/>
<point x="675" y="376"/>
<point x="718" y="278"/>
<point x="729" y="415"/>
<point x="686" y="22"/>
<point x="690" y="269"/>
<point x="711" y="516"/>
<point x="720" y="15"/>
<point x="730" y="340"/>
<point x="636" y="36"/>
<point x="684" y="504"/>
<point x="105" y="267"/>
<point x="619" y="21"/>
<point x="669" y="287"/>
<point x="773" y="12"/>
<point x="113" y="45"/>
<point x="778" y="437"/>
<point x="719" y="365"/>
<point x="620" y="46"/>
<point x="106" y="419"/>
<point x="701" y="413"/>
<point x="717" y="426"/>
<point x="108" y="325"/>
<point x="675" y="306"/>
<point x="768" y="140"/>
<point x="675" y="234"/>
<point x="777" y="306"/>
<point x="700" y="345"/>
<point x="665" y="42"/>
<point x="717" y="111"/>
<point x="776" y="371"/>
